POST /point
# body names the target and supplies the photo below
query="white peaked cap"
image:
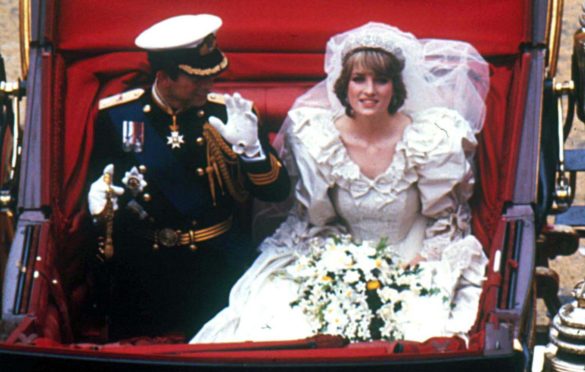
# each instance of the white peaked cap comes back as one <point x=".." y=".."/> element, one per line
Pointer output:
<point x="179" y="32"/>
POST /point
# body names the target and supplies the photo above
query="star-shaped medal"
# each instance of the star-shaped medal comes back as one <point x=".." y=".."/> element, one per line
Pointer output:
<point x="175" y="140"/>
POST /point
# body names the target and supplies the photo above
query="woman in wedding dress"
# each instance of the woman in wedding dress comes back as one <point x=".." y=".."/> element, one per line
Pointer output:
<point x="382" y="149"/>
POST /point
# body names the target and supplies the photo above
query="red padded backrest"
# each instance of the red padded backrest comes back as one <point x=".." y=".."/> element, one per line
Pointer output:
<point x="284" y="40"/>
<point x="275" y="48"/>
<point x="495" y="27"/>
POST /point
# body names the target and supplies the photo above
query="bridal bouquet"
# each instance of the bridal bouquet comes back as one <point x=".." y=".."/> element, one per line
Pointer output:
<point x="357" y="290"/>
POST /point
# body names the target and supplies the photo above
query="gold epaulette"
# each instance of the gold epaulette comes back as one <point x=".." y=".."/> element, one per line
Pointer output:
<point x="120" y="98"/>
<point x="216" y="98"/>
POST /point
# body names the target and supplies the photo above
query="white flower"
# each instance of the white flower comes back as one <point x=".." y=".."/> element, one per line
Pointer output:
<point x="335" y="316"/>
<point x="405" y="280"/>
<point x="334" y="259"/>
<point x="387" y="294"/>
<point x="351" y="277"/>
<point x="334" y="277"/>
<point x="366" y="249"/>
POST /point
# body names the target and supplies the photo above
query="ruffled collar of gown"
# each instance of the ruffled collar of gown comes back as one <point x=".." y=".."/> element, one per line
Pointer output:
<point x="431" y="131"/>
<point x="316" y="130"/>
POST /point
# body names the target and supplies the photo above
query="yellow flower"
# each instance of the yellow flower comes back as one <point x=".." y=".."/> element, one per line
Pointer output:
<point x="326" y="278"/>
<point x="373" y="285"/>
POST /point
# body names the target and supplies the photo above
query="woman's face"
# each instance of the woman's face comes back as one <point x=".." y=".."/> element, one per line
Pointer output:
<point x="368" y="94"/>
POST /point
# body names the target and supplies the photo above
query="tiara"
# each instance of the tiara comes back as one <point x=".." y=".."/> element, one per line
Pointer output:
<point x="374" y="41"/>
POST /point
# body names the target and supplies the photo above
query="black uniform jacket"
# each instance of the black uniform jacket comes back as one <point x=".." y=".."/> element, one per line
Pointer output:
<point x="178" y="243"/>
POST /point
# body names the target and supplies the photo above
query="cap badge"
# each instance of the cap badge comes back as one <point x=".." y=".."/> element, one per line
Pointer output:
<point x="208" y="45"/>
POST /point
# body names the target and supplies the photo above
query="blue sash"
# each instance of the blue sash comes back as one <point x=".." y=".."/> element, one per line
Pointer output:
<point x="183" y="190"/>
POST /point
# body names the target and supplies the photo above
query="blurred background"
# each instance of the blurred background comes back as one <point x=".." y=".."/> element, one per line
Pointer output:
<point x="9" y="43"/>
<point x="571" y="268"/>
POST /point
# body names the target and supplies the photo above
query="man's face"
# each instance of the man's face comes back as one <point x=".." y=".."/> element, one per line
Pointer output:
<point x="186" y="90"/>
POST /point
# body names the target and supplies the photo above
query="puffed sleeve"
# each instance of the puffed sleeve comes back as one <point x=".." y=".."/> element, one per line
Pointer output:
<point x="441" y="145"/>
<point x="309" y="140"/>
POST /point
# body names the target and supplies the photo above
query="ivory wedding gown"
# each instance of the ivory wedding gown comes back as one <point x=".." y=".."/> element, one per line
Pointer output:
<point x="419" y="203"/>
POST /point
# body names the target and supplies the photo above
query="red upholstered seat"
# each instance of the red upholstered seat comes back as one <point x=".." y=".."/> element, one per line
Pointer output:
<point x="276" y="52"/>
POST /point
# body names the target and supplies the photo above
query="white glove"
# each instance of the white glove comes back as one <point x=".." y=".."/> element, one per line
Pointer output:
<point x="241" y="129"/>
<point x="97" y="196"/>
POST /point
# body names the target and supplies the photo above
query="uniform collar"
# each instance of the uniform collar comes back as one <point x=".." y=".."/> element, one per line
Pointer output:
<point x="160" y="102"/>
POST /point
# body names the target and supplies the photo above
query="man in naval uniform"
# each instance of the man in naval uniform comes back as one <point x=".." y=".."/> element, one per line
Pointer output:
<point x="171" y="164"/>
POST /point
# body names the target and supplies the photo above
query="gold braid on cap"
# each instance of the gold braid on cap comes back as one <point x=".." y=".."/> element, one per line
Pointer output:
<point x="205" y="71"/>
<point x="220" y="157"/>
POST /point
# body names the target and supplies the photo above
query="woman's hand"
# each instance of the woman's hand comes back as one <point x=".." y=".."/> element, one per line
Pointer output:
<point x="415" y="261"/>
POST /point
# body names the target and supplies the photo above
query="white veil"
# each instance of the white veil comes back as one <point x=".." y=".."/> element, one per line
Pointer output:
<point x="437" y="73"/>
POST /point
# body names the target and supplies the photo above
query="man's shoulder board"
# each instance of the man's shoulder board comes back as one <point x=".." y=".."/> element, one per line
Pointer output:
<point x="120" y="98"/>
<point x="216" y="98"/>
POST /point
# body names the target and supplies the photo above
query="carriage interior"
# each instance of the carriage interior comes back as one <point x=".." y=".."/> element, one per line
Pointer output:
<point x="275" y="50"/>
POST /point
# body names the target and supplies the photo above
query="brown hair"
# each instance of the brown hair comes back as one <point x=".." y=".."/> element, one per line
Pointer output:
<point x="382" y="64"/>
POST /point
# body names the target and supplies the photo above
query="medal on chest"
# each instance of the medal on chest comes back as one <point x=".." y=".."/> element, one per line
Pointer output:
<point x="132" y="136"/>
<point x="175" y="139"/>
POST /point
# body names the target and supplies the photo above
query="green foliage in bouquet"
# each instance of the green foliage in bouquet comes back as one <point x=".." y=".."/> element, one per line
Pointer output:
<point x="356" y="290"/>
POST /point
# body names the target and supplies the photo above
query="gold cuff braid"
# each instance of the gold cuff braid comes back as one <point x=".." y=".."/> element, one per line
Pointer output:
<point x="262" y="179"/>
